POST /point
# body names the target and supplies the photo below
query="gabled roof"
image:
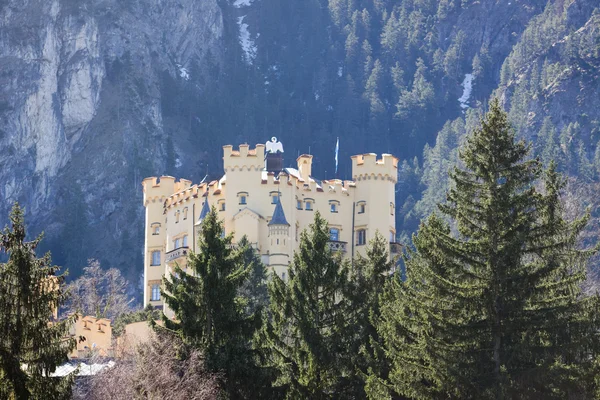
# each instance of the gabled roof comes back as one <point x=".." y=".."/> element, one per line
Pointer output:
<point x="278" y="216"/>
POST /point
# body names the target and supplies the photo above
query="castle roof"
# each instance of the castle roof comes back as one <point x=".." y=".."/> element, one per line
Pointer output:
<point x="204" y="212"/>
<point x="278" y="216"/>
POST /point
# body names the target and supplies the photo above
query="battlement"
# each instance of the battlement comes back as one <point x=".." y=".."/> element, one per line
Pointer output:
<point x="159" y="189"/>
<point x="243" y="159"/>
<point x="367" y="165"/>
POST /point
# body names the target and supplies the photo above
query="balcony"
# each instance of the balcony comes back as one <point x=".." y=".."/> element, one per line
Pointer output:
<point x="177" y="253"/>
<point x="335" y="245"/>
<point x="395" y="248"/>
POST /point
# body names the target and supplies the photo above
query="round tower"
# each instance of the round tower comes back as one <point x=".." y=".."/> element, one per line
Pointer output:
<point x="279" y="242"/>
<point x="156" y="191"/>
<point x="374" y="197"/>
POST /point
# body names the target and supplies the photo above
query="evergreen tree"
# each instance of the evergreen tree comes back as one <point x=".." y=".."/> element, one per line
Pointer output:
<point x="32" y="343"/>
<point x="369" y="276"/>
<point x="254" y="289"/>
<point x="209" y="315"/>
<point x="305" y="334"/>
<point x="493" y="310"/>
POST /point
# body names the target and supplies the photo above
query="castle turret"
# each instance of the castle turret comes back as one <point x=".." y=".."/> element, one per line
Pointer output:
<point x="374" y="197"/>
<point x="279" y="242"/>
<point x="305" y="166"/>
<point x="156" y="191"/>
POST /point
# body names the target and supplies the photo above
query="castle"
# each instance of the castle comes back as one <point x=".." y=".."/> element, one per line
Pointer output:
<point x="269" y="204"/>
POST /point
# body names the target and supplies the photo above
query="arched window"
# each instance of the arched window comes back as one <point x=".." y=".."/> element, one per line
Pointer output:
<point x="333" y="206"/>
<point x="185" y="241"/>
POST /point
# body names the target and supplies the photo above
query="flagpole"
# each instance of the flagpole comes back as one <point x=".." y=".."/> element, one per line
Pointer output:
<point x="337" y="150"/>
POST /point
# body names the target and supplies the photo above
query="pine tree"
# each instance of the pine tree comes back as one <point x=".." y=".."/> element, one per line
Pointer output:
<point x="305" y="334"/>
<point x="369" y="276"/>
<point x="209" y="315"/>
<point x="493" y="309"/>
<point x="32" y="343"/>
<point x="254" y="289"/>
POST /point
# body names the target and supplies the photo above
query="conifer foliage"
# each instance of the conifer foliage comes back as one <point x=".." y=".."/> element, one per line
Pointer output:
<point x="304" y="336"/>
<point x="491" y="307"/>
<point x="31" y="347"/>
<point x="209" y="315"/>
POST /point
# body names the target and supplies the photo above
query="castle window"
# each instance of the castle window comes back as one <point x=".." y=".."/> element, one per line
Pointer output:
<point x="308" y="204"/>
<point x="243" y="198"/>
<point x="177" y="243"/>
<point x="185" y="213"/>
<point x="155" y="228"/>
<point x="274" y="197"/>
<point x="333" y="206"/>
<point x="155" y="296"/>
<point x="177" y="216"/>
<point x="391" y="208"/>
<point x="155" y="258"/>
<point x="283" y="276"/>
<point x="361" y="237"/>
<point x="334" y="234"/>
<point x="221" y="205"/>
<point x="299" y="204"/>
<point x="362" y="207"/>
<point x="392" y="237"/>
<point x="185" y="241"/>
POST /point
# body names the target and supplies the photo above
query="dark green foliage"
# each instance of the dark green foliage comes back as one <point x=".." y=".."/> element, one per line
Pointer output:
<point x="492" y="308"/>
<point x="31" y="348"/>
<point x="368" y="279"/>
<point x="209" y="315"/>
<point x="254" y="289"/>
<point x="305" y="335"/>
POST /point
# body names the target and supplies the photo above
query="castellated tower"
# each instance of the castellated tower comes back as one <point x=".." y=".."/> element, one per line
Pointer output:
<point x="155" y="194"/>
<point x="279" y="241"/>
<point x="374" y="197"/>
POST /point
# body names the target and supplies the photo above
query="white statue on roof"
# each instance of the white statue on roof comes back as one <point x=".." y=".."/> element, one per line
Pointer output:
<point x="273" y="146"/>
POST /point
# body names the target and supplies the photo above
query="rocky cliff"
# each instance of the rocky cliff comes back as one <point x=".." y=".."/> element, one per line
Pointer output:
<point x="81" y="124"/>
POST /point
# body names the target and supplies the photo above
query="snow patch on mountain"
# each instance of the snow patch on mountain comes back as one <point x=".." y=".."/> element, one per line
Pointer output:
<point x="467" y="85"/>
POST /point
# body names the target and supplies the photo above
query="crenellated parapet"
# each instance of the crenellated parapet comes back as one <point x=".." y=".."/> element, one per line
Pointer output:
<point x="368" y="167"/>
<point x="243" y="159"/>
<point x="163" y="188"/>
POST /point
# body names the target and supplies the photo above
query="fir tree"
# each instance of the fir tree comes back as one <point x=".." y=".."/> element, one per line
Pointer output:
<point x="305" y="334"/>
<point x="32" y="343"/>
<point x="209" y="315"/>
<point x="492" y="310"/>
<point x="369" y="276"/>
<point x="254" y="289"/>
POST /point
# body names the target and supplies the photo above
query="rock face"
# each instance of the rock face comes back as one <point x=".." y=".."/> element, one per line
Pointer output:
<point x="80" y="94"/>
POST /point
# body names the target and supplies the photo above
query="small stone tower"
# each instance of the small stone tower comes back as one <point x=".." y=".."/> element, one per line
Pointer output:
<point x="279" y="242"/>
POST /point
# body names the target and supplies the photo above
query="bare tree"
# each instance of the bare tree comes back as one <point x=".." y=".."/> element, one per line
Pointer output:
<point x="98" y="292"/>
<point x="154" y="371"/>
